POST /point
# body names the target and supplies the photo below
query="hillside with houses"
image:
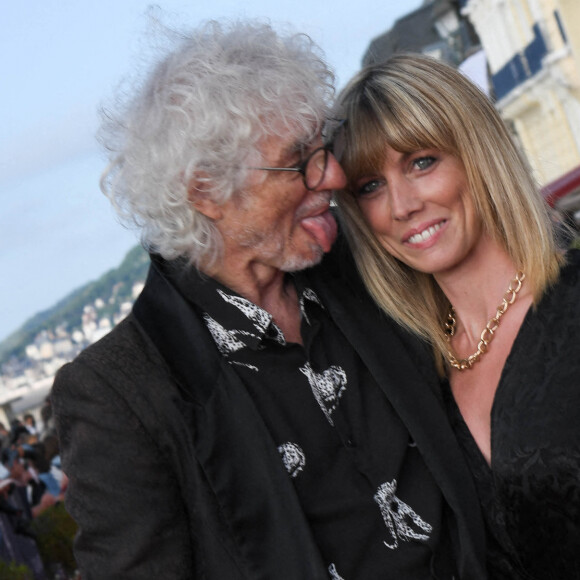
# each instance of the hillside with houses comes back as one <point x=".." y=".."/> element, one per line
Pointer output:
<point x="31" y="356"/>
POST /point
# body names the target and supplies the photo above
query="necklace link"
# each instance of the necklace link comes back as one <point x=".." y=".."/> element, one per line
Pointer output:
<point x="488" y="332"/>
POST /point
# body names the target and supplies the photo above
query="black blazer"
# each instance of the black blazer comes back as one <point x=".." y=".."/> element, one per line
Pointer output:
<point x="172" y="471"/>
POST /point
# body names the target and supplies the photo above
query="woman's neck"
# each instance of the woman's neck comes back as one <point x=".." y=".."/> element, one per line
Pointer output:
<point x="476" y="287"/>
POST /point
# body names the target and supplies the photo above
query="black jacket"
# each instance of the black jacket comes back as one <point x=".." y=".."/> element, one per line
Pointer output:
<point x="172" y="472"/>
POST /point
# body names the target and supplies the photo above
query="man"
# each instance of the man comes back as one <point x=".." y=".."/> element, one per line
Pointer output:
<point x="253" y="417"/>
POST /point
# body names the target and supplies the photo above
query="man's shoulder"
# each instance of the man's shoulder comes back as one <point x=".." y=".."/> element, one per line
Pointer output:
<point x="125" y="341"/>
<point x="121" y="358"/>
<point x="122" y="369"/>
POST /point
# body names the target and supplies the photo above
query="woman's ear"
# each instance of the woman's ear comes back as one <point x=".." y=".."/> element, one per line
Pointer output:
<point x="199" y="194"/>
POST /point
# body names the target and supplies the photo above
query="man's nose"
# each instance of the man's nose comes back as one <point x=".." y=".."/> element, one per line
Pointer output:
<point x="334" y="178"/>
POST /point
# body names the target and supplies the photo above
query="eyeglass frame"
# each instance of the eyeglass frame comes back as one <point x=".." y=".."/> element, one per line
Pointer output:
<point x="302" y="167"/>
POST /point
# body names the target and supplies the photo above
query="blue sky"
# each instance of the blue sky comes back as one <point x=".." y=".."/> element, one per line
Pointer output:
<point x="61" y="59"/>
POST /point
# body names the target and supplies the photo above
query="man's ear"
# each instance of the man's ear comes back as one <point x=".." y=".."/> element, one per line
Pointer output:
<point x="199" y="194"/>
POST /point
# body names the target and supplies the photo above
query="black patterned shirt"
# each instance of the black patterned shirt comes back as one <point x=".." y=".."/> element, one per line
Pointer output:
<point x="373" y="507"/>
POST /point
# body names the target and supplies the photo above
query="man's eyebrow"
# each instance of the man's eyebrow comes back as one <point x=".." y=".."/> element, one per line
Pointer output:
<point x="288" y="154"/>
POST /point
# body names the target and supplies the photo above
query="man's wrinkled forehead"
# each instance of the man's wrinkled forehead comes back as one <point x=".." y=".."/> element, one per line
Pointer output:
<point x="290" y="145"/>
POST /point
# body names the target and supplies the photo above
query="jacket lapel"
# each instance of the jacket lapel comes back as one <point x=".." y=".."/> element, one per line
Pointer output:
<point x="239" y="459"/>
<point x="402" y="367"/>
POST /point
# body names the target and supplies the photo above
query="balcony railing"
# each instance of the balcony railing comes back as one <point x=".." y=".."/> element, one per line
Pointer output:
<point x="521" y="66"/>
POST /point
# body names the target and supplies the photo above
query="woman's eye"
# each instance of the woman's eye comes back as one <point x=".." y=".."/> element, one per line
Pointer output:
<point x="367" y="187"/>
<point x="423" y="163"/>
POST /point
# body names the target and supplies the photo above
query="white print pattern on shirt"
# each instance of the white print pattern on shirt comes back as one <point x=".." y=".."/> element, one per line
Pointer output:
<point x="247" y="365"/>
<point x="334" y="575"/>
<point x="327" y="387"/>
<point x="399" y="517"/>
<point x="309" y="294"/>
<point x="293" y="458"/>
<point x="258" y="316"/>
<point x="225" y="339"/>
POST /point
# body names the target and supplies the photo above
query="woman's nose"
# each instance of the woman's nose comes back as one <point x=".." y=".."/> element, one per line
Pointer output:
<point x="404" y="201"/>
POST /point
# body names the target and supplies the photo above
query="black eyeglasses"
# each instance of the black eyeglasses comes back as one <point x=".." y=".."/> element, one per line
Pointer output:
<point x="333" y="133"/>
<point x="312" y="169"/>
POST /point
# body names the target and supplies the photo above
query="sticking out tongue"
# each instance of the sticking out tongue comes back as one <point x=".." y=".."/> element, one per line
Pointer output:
<point x="322" y="228"/>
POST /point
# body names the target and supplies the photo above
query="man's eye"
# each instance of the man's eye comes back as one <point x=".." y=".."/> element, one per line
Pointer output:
<point x="367" y="187"/>
<point x="423" y="163"/>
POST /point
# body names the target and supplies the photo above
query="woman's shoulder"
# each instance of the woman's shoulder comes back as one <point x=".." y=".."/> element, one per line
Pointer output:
<point x="566" y="290"/>
<point x="571" y="267"/>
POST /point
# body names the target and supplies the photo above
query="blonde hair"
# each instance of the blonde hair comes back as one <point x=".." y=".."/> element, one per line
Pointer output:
<point x="414" y="102"/>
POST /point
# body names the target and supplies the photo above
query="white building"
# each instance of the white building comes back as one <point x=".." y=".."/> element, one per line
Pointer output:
<point x="532" y="51"/>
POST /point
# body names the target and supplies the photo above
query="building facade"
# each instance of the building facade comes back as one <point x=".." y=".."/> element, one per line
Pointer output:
<point x="533" y="54"/>
<point x="437" y="28"/>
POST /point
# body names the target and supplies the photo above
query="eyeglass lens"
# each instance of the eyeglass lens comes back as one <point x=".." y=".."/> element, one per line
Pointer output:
<point x="316" y="168"/>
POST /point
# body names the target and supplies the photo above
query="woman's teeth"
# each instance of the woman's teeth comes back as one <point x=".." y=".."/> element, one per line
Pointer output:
<point x="425" y="234"/>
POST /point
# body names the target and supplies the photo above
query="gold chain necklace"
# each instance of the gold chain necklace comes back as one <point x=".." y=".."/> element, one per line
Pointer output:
<point x="489" y="330"/>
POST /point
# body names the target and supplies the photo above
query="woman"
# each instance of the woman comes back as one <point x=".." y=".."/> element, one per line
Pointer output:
<point x="454" y="241"/>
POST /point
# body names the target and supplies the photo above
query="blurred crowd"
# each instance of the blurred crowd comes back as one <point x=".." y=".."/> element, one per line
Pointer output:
<point x="31" y="481"/>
